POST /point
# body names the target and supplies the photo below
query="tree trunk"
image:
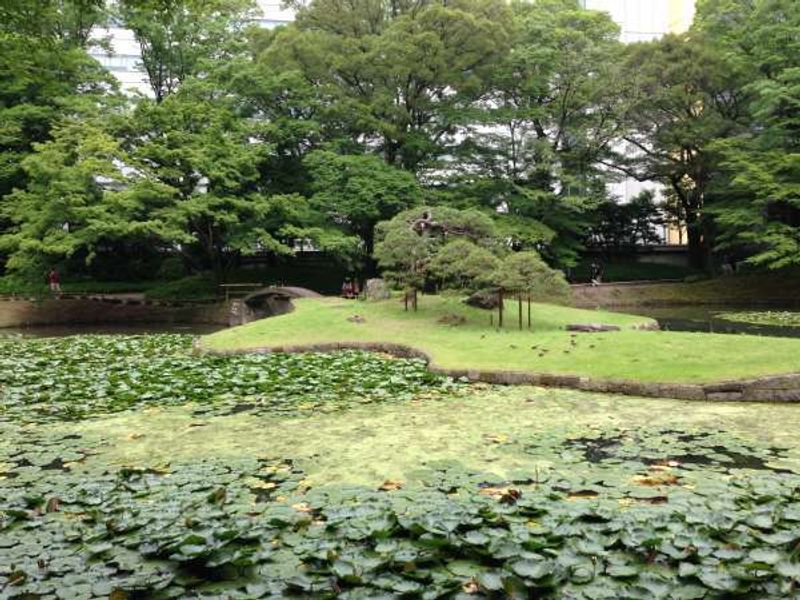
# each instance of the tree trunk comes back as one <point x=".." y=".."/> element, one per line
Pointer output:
<point x="405" y="299"/>
<point x="697" y="246"/>
<point x="368" y="237"/>
<point x="415" y="299"/>
<point x="519" y="300"/>
<point x="500" y="308"/>
<point x="217" y="265"/>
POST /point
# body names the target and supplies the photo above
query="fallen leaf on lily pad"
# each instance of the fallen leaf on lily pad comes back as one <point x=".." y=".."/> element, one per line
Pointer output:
<point x="655" y="479"/>
<point x="506" y="495"/>
<point x="390" y="485"/>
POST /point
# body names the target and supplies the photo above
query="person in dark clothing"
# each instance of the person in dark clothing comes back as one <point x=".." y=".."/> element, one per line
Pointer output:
<point x="596" y="273"/>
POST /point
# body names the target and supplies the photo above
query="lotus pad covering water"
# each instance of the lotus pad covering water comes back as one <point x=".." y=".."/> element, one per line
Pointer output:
<point x="779" y="318"/>
<point x="130" y="468"/>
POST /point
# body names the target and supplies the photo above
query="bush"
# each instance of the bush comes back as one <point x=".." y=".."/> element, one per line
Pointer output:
<point x="189" y="288"/>
<point x="15" y="285"/>
<point x="172" y="268"/>
<point x="633" y="271"/>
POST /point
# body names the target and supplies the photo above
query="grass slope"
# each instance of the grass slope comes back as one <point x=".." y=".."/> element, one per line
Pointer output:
<point x="667" y="357"/>
<point x="773" y="288"/>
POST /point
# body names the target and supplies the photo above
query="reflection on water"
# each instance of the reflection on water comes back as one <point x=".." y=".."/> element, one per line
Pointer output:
<point x="112" y="329"/>
<point x="704" y="318"/>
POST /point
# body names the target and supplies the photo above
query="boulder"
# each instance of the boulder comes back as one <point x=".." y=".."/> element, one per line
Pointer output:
<point x="592" y="327"/>
<point x="484" y="299"/>
<point x="376" y="289"/>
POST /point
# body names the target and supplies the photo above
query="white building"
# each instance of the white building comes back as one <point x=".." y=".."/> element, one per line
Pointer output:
<point x="643" y="20"/>
<point x="122" y="59"/>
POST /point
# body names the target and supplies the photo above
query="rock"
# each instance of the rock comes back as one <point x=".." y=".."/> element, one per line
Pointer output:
<point x="376" y="289"/>
<point x="487" y="300"/>
<point x="452" y="320"/>
<point x="592" y="327"/>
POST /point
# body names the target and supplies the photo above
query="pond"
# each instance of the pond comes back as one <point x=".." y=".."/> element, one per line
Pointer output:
<point x="707" y="318"/>
<point x="46" y="331"/>
<point x="130" y="468"/>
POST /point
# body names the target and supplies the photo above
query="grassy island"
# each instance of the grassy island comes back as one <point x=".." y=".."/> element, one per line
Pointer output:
<point x="456" y="336"/>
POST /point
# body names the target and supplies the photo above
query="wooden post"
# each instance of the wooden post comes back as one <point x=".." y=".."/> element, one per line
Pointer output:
<point x="500" y="307"/>
<point x="529" y="310"/>
<point x="519" y="298"/>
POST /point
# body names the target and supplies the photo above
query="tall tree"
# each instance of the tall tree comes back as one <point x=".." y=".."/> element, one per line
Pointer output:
<point x="195" y="160"/>
<point x="686" y="96"/>
<point x="532" y="148"/>
<point x="74" y="202"/>
<point x="46" y="76"/>
<point x="182" y="38"/>
<point x="66" y="21"/>
<point x="397" y="75"/>
<point x="760" y="213"/>
<point x="358" y="191"/>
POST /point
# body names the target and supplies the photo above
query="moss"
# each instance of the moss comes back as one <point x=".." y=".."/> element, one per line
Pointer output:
<point x="487" y="429"/>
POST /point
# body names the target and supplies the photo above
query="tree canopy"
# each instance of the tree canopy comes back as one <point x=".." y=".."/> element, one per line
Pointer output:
<point x="520" y="116"/>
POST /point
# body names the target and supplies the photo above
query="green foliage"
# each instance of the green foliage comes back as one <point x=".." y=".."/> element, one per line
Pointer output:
<point x="760" y="168"/>
<point x="359" y="191"/>
<point x="777" y="318"/>
<point x="623" y="269"/>
<point x="409" y="244"/>
<point x="463" y="265"/>
<point x="75" y="378"/>
<point x="686" y="95"/>
<point x="46" y="75"/>
<point x="66" y="208"/>
<point x="262" y="141"/>
<point x="38" y="288"/>
<point x="627" y="225"/>
<point x="535" y="143"/>
<point x="198" y="185"/>
<point x="186" y="288"/>
<point x="399" y="75"/>
<point x="69" y="22"/>
<point x="527" y="272"/>
<point x="179" y="39"/>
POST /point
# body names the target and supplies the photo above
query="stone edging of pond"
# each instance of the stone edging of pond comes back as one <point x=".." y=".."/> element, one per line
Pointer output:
<point x="778" y="388"/>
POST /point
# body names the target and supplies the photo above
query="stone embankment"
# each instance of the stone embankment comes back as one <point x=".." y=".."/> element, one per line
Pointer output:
<point x="96" y="309"/>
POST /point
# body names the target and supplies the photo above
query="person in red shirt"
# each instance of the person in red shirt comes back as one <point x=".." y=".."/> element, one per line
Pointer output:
<point x="347" y="289"/>
<point x="54" y="279"/>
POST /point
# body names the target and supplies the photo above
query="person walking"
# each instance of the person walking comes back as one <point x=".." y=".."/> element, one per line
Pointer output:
<point x="54" y="280"/>
<point x="596" y="273"/>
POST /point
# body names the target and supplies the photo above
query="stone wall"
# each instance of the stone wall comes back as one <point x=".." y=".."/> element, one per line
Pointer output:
<point x="17" y="312"/>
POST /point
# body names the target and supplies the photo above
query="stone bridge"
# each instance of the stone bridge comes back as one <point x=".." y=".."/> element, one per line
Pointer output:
<point x="266" y="302"/>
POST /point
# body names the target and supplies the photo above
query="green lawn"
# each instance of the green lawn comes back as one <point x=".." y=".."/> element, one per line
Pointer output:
<point x="651" y="356"/>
